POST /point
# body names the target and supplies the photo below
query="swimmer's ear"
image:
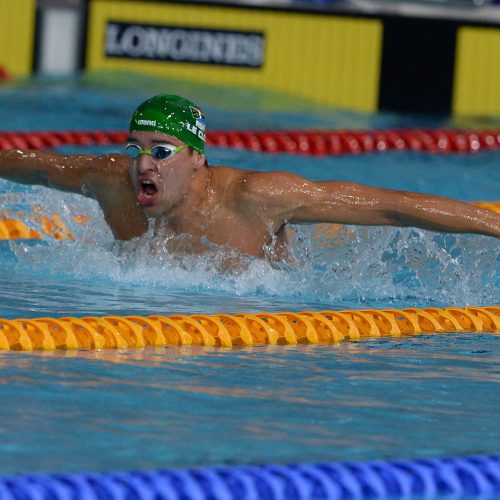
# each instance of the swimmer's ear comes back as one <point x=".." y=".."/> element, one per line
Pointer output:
<point x="199" y="159"/>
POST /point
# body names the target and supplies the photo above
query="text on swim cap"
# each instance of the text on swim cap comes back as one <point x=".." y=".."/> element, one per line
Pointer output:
<point x="195" y="131"/>
<point x="150" y="123"/>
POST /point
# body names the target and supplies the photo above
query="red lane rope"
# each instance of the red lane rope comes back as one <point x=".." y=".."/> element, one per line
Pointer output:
<point x="317" y="143"/>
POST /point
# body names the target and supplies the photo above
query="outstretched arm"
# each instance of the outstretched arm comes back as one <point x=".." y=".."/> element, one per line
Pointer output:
<point x="290" y="198"/>
<point x="104" y="178"/>
<point x="63" y="172"/>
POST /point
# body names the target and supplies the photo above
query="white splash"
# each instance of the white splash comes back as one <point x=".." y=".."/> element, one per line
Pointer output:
<point x="336" y="264"/>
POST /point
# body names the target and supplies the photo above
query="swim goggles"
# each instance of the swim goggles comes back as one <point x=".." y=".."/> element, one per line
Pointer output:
<point x="161" y="152"/>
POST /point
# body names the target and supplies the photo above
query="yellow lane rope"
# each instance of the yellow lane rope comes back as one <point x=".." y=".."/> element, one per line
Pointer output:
<point x="224" y="330"/>
<point x="493" y="206"/>
<point x="12" y="228"/>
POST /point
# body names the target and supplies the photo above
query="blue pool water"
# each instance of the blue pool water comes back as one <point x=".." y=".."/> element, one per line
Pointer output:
<point x="422" y="396"/>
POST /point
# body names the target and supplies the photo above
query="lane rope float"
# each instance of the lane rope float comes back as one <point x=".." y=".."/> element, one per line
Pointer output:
<point x="453" y="477"/>
<point x="13" y="228"/>
<point x="306" y="142"/>
<point x="224" y="330"/>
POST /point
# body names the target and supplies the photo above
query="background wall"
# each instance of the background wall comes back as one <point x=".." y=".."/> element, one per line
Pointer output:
<point x="416" y="63"/>
<point x="17" y="36"/>
<point x="424" y="59"/>
<point x="476" y="89"/>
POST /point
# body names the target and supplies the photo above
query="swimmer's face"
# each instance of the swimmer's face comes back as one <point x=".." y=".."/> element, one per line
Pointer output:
<point x="161" y="184"/>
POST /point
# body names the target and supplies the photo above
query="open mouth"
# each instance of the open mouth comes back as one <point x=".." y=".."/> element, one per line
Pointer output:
<point x="148" y="192"/>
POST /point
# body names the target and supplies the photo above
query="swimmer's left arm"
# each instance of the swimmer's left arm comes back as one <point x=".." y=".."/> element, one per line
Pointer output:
<point x="298" y="200"/>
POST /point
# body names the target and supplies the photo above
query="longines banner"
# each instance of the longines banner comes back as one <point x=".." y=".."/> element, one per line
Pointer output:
<point x="317" y="56"/>
<point x="180" y="44"/>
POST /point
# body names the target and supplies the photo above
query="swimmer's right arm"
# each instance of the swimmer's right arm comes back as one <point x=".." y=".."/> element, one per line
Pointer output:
<point x="63" y="172"/>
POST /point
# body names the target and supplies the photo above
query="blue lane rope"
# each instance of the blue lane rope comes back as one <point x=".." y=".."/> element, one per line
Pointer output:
<point x="468" y="477"/>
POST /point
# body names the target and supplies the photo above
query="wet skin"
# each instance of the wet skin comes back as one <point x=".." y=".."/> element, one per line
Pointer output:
<point x="242" y="209"/>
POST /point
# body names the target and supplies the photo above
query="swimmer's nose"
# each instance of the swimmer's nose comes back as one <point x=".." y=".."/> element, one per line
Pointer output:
<point x="145" y="164"/>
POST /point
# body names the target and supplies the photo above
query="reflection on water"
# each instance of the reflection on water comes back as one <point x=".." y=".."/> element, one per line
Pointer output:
<point x="430" y="395"/>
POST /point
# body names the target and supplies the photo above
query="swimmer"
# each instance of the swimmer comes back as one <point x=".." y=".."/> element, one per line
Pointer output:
<point x="163" y="179"/>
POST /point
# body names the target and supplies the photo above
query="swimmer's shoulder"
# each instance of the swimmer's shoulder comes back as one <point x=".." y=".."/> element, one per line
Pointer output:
<point x="252" y="183"/>
<point x="107" y="174"/>
<point x="107" y="168"/>
<point x="250" y="188"/>
<point x="249" y="180"/>
<point x="109" y="163"/>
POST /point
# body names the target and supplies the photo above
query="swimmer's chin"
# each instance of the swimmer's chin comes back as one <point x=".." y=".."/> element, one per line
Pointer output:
<point x="151" y="209"/>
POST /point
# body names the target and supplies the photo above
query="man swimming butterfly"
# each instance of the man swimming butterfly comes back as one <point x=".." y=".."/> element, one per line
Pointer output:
<point x="164" y="179"/>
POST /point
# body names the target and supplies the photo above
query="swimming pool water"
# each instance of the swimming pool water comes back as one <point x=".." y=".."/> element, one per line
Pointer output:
<point x="421" y="396"/>
<point x="431" y="396"/>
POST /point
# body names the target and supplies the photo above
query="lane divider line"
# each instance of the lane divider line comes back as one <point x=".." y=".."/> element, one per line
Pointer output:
<point x="305" y="142"/>
<point x="224" y="330"/>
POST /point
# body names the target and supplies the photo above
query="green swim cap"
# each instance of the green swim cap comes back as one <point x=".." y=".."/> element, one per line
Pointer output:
<point x="172" y="115"/>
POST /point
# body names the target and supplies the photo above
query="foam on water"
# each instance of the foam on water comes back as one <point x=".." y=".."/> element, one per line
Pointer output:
<point x="336" y="265"/>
